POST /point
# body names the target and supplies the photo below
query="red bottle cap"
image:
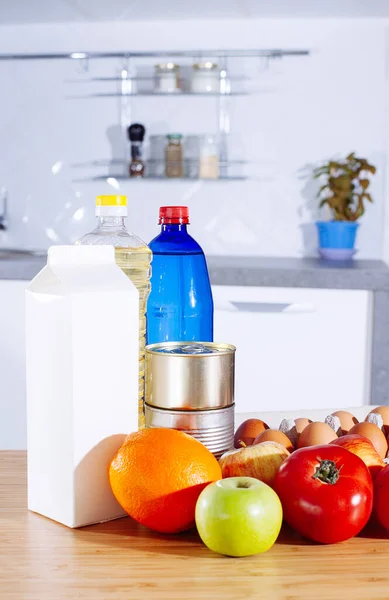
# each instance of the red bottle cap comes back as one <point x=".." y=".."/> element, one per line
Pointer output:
<point x="173" y="215"/>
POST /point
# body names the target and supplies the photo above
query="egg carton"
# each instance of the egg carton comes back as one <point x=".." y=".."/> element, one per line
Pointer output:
<point x="274" y="418"/>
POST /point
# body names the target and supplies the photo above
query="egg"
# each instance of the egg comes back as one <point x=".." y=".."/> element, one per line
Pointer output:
<point x="248" y="431"/>
<point x="301" y="423"/>
<point x="274" y="435"/>
<point x="384" y="412"/>
<point x="347" y="420"/>
<point x="316" y="434"/>
<point x="293" y="427"/>
<point x="374" y="434"/>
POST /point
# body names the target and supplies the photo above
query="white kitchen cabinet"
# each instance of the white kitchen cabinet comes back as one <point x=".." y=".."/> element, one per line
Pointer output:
<point x="296" y="348"/>
<point x="12" y="366"/>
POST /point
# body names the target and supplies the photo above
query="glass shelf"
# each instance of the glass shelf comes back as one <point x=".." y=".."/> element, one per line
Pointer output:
<point x="129" y="78"/>
<point x="165" y="94"/>
<point x="110" y="178"/>
<point x="153" y="161"/>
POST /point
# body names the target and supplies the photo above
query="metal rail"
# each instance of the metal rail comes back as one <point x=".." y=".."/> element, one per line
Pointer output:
<point x="275" y="53"/>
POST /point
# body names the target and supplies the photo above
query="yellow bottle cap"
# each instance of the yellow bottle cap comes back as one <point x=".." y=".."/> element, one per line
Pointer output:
<point x="111" y="200"/>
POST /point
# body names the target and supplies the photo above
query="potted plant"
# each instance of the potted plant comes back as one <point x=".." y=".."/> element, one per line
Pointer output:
<point x="344" y="191"/>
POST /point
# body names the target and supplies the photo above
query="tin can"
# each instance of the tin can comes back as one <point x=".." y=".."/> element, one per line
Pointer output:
<point x="190" y="376"/>
<point x="213" y="428"/>
<point x="190" y="387"/>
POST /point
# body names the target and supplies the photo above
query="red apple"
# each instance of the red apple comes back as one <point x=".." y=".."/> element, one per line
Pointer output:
<point x="261" y="461"/>
<point x="362" y="447"/>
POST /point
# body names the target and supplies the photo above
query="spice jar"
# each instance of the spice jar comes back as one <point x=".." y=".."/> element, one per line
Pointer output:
<point x="156" y="162"/>
<point x="205" y="78"/>
<point x="174" y="156"/>
<point x="191" y="156"/>
<point x="209" y="158"/>
<point x="167" y="78"/>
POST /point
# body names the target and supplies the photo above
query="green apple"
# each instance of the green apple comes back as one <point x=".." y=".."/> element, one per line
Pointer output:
<point x="238" y="516"/>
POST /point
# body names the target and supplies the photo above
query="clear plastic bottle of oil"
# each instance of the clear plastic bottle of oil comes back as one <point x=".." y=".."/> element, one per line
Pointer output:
<point x="133" y="256"/>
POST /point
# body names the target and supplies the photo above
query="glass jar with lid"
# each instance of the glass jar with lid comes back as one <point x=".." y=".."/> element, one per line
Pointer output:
<point x="156" y="161"/>
<point x="209" y="158"/>
<point x="167" y="78"/>
<point x="174" y="156"/>
<point x="191" y="149"/>
<point x="205" y="78"/>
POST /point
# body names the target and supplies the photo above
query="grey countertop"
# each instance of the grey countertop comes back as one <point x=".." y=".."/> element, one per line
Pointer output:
<point x="299" y="272"/>
<point x="260" y="271"/>
<point x="21" y="267"/>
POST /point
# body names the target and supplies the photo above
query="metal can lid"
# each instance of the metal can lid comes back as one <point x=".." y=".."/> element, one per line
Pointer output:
<point x="167" y="67"/>
<point x="205" y="66"/>
<point x="190" y="348"/>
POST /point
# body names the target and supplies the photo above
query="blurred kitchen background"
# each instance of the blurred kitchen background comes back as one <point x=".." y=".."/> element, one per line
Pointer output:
<point x="297" y="111"/>
<point x="308" y="82"/>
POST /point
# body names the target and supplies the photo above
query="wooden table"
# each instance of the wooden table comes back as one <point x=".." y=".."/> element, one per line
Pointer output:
<point x="42" y="560"/>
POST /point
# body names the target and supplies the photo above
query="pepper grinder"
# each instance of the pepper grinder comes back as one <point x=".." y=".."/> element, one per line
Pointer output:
<point x="136" y="133"/>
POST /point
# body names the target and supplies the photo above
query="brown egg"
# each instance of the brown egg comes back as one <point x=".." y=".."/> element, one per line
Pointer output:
<point x="301" y="423"/>
<point x="293" y="427"/>
<point x="248" y="431"/>
<point x="384" y="412"/>
<point x="374" y="434"/>
<point x="274" y="435"/>
<point x="347" y="420"/>
<point x="316" y="434"/>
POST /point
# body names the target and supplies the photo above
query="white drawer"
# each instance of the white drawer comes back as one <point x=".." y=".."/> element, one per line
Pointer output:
<point x="296" y="348"/>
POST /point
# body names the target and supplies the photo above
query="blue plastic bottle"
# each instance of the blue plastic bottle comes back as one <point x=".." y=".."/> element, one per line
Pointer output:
<point x="180" y="305"/>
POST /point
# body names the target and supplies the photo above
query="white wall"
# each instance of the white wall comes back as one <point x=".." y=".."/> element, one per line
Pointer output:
<point x="307" y="110"/>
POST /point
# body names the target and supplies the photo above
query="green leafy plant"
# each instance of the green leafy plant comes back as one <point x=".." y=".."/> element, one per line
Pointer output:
<point x="345" y="189"/>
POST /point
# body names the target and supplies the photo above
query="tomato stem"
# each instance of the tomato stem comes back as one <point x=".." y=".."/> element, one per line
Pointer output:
<point x="327" y="472"/>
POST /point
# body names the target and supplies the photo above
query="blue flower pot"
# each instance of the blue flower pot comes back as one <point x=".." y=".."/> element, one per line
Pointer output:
<point x="337" y="234"/>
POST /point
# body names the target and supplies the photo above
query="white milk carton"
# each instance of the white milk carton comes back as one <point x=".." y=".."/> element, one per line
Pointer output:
<point x="82" y="331"/>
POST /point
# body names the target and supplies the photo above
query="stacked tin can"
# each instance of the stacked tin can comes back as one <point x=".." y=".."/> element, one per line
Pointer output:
<point x="190" y="387"/>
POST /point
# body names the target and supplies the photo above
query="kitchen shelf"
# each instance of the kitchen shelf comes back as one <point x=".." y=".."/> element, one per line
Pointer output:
<point x="127" y="54"/>
<point x="152" y="77"/>
<point x="165" y="94"/>
<point x="153" y="161"/>
<point x="162" y="178"/>
<point x="129" y="71"/>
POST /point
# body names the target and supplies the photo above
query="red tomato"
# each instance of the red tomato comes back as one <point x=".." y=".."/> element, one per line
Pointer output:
<point x="381" y="497"/>
<point x="326" y="493"/>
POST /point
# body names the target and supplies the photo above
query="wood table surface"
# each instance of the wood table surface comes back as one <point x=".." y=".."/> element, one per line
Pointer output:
<point x="42" y="560"/>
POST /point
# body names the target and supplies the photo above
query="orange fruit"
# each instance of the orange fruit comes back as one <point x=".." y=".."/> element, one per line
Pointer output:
<point x="157" y="476"/>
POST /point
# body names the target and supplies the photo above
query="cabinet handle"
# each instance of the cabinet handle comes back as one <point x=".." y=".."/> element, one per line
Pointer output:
<point x="266" y="307"/>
